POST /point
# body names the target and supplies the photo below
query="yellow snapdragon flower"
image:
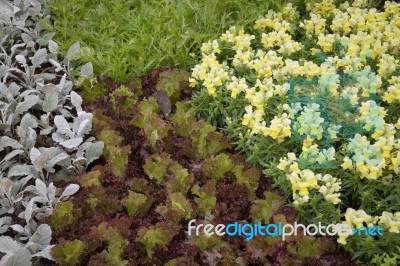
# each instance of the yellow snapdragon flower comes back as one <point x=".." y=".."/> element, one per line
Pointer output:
<point x="390" y="220"/>
<point x="315" y="25"/>
<point x="393" y="91"/>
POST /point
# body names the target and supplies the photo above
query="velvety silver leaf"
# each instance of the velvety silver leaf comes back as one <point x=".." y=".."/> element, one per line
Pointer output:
<point x="53" y="47"/>
<point x="20" y="257"/>
<point x="8" y="245"/>
<point x="84" y="128"/>
<point x="57" y="137"/>
<point x="46" y="131"/>
<point x="73" y="51"/>
<point x="20" y="170"/>
<point x="50" y="101"/>
<point x="76" y="99"/>
<point x="55" y="160"/>
<point x="45" y="253"/>
<point x="39" y="57"/>
<point x="12" y="154"/>
<point x="70" y="190"/>
<point x="63" y="126"/>
<point x="40" y="161"/>
<point x="9" y="142"/>
<point x="87" y="69"/>
<point x="28" y="121"/>
<point x="41" y="187"/>
<point x="94" y="151"/>
<point x="5" y="223"/>
<point x="34" y="154"/>
<point x="27" y="104"/>
<point x="21" y="59"/>
<point x="72" y="143"/>
<point x="42" y="236"/>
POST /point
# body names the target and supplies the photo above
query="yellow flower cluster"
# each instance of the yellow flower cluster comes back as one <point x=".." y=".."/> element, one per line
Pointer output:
<point x="305" y="180"/>
<point x="239" y="39"/>
<point x="273" y="20"/>
<point x="212" y="73"/>
<point x="236" y="86"/>
<point x="281" y="40"/>
<point x="370" y="160"/>
<point x="393" y="91"/>
<point x="279" y="128"/>
<point x="387" y="65"/>
<point x="330" y="188"/>
<point x="359" y="218"/>
<point x="391" y="221"/>
<point x="321" y="8"/>
<point x="326" y="41"/>
<point x="315" y="25"/>
<point x="302" y="181"/>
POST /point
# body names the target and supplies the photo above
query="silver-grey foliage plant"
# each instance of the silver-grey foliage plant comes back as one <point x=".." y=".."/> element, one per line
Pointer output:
<point x="44" y="132"/>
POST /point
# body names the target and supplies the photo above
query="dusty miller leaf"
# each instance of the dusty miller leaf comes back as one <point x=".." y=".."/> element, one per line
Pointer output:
<point x="72" y="143"/>
<point x="45" y="253"/>
<point x="63" y="126"/>
<point x="50" y="101"/>
<point x="12" y="154"/>
<point x="84" y="128"/>
<point x="21" y="59"/>
<point x="8" y="245"/>
<point x="5" y="223"/>
<point x="70" y="190"/>
<point x="73" y="51"/>
<point x="24" y="106"/>
<point x="87" y="69"/>
<point x="42" y="236"/>
<point x="76" y="99"/>
<point x="94" y="151"/>
<point x="53" y="47"/>
<point x="9" y="142"/>
<point x="39" y="57"/>
<point x="21" y="257"/>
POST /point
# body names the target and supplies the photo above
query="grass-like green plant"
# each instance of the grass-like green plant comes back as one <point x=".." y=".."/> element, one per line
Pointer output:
<point x="124" y="39"/>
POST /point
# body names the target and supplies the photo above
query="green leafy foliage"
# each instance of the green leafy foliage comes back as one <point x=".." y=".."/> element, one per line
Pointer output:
<point x="249" y="177"/>
<point x="134" y="37"/>
<point x="205" y="196"/>
<point x="68" y="252"/>
<point x="90" y="89"/>
<point x="63" y="216"/>
<point x="122" y="99"/>
<point x="180" y="181"/>
<point x="117" y="156"/>
<point x="173" y="82"/>
<point x="137" y="204"/>
<point x="183" y="119"/>
<point x="90" y="179"/>
<point x="263" y="209"/>
<point x="217" y="166"/>
<point x="156" y="167"/>
<point x="115" y="244"/>
<point x="157" y="235"/>
<point x="154" y="127"/>
<point x="206" y="141"/>
<point x="309" y="247"/>
<point x="178" y="207"/>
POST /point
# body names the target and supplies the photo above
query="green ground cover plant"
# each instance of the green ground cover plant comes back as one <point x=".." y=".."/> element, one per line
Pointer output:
<point x="315" y="100"/>
<point x="125" y="39"/>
